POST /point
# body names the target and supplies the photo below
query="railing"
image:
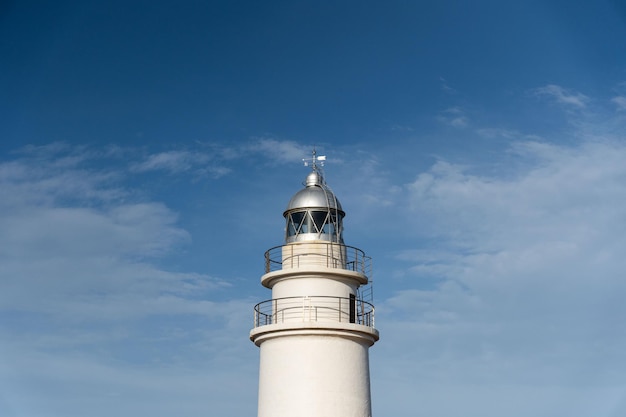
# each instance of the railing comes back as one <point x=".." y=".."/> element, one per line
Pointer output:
<point x="314" y="309"/>
<point x="328" y="254"/>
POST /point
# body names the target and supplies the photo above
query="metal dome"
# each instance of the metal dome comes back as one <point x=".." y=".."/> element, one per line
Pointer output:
<point x="315" y="195"/>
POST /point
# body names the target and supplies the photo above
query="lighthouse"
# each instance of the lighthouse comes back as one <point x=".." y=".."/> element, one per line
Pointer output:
<point x="315" y="332"/>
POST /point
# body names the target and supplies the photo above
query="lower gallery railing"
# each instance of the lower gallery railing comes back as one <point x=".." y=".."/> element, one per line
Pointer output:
<point x="314" y="309"/>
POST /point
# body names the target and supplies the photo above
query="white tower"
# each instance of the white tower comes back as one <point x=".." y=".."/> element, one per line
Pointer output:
<point x="315" y="332"/>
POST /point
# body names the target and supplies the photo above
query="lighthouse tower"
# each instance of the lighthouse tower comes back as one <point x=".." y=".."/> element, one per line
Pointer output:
<point x="315" y="332"/>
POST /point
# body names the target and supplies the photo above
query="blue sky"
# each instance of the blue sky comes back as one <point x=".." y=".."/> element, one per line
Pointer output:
<point x="148" y="150"/>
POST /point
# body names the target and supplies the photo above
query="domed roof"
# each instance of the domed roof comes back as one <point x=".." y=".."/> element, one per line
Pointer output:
<point x="315" y="195"/>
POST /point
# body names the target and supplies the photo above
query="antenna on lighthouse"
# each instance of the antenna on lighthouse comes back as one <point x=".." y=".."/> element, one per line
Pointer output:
<point x="314" y="160"/>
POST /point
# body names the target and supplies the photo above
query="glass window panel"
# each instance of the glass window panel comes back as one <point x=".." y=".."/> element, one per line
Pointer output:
<point x="297" y="220"/>
<point x="291" y="228"/>
<point x="319" y="218"/>
<point x="306" y="224"/>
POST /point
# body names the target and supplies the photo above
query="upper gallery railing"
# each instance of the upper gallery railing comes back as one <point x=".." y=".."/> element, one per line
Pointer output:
<point x="327" y="254"/>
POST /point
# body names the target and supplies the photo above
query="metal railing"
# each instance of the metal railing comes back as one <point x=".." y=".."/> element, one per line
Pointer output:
<point x="328" y="254"/>
<point x="314" y="309"/>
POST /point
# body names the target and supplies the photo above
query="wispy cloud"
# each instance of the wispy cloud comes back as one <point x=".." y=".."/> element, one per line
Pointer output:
<point x="55" y="174"/>
<point x="529" y="259"/>
<point x="215" y="161"/>
<point x="445" y="87"/>
<point x="83" y="286"/>
<point x="87" y="251"/>
<point x="279" y="150"/>
<point x="67" y="226"/>
<point x="620" y="102"/>
<point x="401" y="128"/>
<point x="172" y="161"/>
<point x="491" y="133"/>
<point x="454" y="116"/>
<point x="560" y="95"/>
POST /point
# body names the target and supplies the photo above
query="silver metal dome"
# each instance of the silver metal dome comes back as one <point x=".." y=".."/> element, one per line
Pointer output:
<point x="316" y="194"/>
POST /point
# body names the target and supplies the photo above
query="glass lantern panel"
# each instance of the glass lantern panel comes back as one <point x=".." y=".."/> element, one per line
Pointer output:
<point x="295" y="222"/>
<point x="319" y="218"/>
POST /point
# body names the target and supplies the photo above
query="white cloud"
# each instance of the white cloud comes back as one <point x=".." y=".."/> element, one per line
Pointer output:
<point x="211" y="161"/>
<point x="445" y="87"/>
<point x="620" y="102"/>
<point x="70" y="231"/>
<point x="491" y="133"/>
<point x="45" y="178"/>
<point x="214" y="156"/>
<point x="454" y="116"/>
<point x="528" y="281"/>
<point x="509" y="134"/>
<point x="86" y="302"/>
<point x="172" y="161"/>
<point x="562" y="96"/>
<point x="280" y="150"/>
<point x="401" y="128"/>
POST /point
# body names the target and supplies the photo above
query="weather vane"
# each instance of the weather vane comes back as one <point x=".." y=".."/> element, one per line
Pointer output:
<point x="314" y="160"/>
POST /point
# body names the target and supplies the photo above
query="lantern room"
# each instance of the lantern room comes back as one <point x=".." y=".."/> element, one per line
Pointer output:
<point x="314" y="213"/>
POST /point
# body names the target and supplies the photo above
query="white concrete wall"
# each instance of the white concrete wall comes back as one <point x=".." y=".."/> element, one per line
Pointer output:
<point x="298" y="255"/>
<point x="314" y="376"/>
<point x="310" y="284"/>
